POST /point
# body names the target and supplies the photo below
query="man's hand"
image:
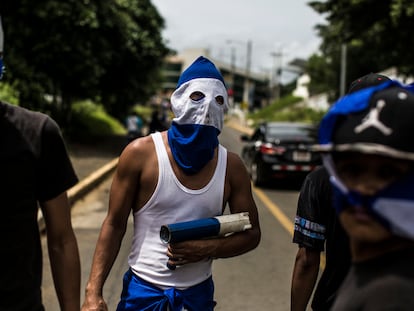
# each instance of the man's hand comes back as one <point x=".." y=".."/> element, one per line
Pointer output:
<point x="96" y="303"/>
<point x="189" y="251"/>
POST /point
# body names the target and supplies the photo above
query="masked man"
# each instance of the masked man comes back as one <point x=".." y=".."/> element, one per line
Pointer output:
<point x="369" y="154"/>
<point x="178" y="175"/>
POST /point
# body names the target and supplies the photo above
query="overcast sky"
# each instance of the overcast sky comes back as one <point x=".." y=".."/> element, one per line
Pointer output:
<point x="285" y="26"/>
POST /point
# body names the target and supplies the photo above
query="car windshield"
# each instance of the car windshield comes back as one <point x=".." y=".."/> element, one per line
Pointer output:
<point x="291" y="131"/>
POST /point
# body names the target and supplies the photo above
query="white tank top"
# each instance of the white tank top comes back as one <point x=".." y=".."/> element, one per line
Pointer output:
<point x="173" y="202"/>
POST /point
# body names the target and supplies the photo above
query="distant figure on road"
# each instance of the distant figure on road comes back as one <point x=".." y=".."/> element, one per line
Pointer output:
<point x="156" y="123"/>
<point x="177" y="175"/>
<point x="134" y="125"/>
<point x="35" y="170"/>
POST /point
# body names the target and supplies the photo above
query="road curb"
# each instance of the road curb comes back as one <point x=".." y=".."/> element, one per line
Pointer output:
<point x="235" y="124"/>
<point x="86" y="184"/>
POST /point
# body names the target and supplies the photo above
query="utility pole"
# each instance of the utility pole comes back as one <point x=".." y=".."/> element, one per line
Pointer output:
<point x="232" y="76"/>
<point x="276" y="75"/>
<point x="246" y="85"/>
<point x="246" y="89"/>
<point x="342" y="80"/>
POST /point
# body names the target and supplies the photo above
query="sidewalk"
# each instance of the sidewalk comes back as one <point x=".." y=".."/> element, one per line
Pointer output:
<point x="92" y="162"/>
<point x="89" y="157"/>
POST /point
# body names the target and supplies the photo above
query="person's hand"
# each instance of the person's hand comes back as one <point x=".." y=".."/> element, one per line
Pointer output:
<point x="95" y="303"/>
<point x="189" y="251"/>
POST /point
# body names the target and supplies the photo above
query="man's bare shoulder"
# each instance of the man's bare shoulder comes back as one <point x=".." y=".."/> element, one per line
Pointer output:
<point x="234" y="160"/>
<point x="236" y="170"/>
<point x="141" y="144"/>
<point x="138" y="151"/>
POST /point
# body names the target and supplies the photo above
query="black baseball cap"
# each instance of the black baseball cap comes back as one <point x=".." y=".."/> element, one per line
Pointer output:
<point x="368" y="80"/>
<point x="384" y="127"/>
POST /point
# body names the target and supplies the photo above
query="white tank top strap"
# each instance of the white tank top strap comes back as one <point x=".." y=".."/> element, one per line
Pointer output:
<point x="162" y="155"/>
<point x="159" y="144"/>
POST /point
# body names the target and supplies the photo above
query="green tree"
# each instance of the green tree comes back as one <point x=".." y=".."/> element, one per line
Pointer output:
<point x="321" y="74"/>
<point x="137" y="55"/>
<point x="377" y="35"/>
<point x="109" y="50"/>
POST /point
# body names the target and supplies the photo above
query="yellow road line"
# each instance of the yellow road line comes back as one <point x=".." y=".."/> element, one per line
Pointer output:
<point x="282" y="218"/>
<point x="275" y="210"/>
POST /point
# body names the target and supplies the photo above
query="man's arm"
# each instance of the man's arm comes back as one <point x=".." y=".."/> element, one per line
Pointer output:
<point x="121" y="199"/>
<point x="240" y="199"/>
<point x="305" y="273"/>
<point x="63" y="251"/>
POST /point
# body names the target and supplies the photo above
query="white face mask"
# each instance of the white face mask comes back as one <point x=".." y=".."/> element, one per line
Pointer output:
<point x="206" y="111"/>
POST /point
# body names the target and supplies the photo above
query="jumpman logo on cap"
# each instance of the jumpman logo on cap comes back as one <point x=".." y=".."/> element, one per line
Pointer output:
<point x="372" y="120"/>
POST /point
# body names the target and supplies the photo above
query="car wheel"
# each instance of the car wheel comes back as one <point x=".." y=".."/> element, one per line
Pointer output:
<point x="257" y="174"/>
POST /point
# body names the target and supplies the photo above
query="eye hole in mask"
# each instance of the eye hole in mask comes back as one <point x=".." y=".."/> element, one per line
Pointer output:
<point x="197" y="96"/>
<point x="220" y="100"/>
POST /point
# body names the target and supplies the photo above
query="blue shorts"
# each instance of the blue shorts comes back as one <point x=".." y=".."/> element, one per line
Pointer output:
<point x="138" y="294"/>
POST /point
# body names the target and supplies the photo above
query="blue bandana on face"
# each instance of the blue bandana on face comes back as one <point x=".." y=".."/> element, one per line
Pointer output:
<point x="392" y="206"/>
<point x="192" y="145"/>
<point x="193" y="133"/>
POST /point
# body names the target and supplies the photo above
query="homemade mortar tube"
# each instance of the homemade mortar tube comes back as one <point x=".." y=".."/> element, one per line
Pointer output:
<point x="205" y="228"/>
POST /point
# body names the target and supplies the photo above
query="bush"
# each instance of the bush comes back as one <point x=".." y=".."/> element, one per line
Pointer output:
<point x="270" y="112"/>
<point x="300" y="114"/>
<point x="8" y="94"/>
<point x="286" y="109"/>
<point x="91" y="120"/>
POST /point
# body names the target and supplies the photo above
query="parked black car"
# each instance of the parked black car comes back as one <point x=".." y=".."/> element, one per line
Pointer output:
<point x="278" y="150"/>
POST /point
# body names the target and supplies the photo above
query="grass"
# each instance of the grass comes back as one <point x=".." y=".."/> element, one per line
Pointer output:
<point x="286" y="109"/>
<point x="91" y="119"/>
<point x="8" y="94"/>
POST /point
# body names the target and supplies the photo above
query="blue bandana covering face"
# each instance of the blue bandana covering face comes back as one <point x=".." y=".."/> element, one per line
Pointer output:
<point x="393" y="206"/>
<point x="197" y="123"/>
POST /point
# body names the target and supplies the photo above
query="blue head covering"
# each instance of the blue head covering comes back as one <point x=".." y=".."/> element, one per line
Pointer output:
<point x="200" y="68"/>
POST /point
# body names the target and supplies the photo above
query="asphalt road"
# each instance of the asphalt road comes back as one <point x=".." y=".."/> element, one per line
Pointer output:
<point x="259" y="280"/>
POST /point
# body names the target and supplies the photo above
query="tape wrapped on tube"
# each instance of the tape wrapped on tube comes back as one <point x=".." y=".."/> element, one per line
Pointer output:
<point x="205" y="228"/>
